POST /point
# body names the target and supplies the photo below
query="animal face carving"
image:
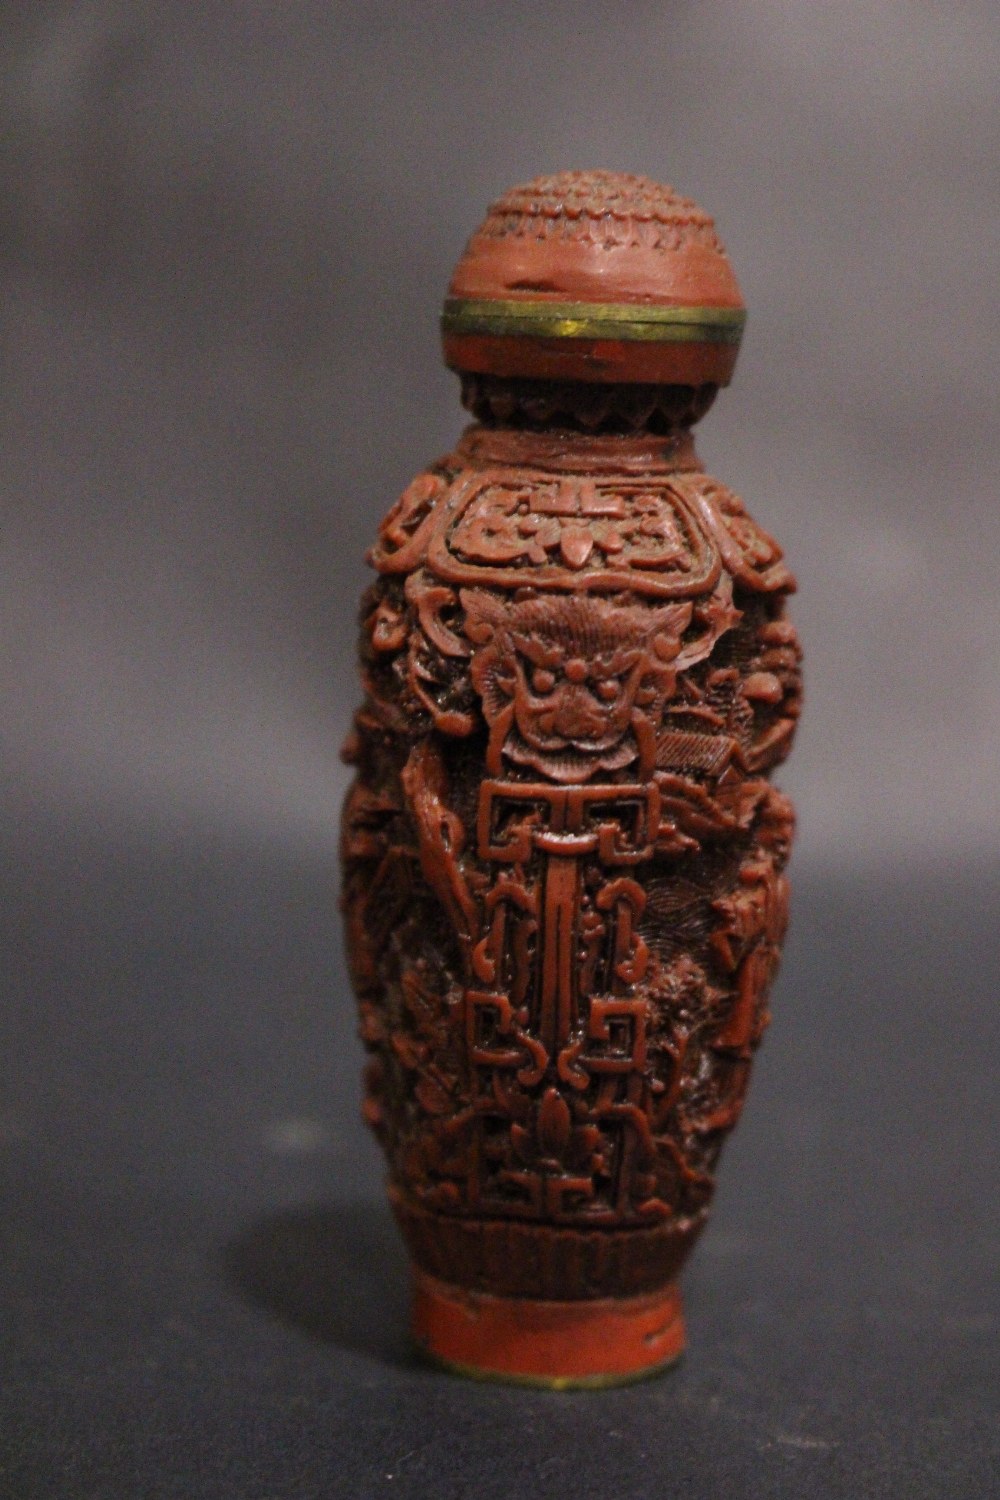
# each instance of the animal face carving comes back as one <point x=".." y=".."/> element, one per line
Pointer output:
<point x="575" y="685"/>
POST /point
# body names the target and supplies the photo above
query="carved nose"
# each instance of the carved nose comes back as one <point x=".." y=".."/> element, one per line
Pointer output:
<point x="579" y="716"/>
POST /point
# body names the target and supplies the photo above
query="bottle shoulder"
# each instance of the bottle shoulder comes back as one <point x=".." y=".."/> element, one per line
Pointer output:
<point x="578" y="518"/>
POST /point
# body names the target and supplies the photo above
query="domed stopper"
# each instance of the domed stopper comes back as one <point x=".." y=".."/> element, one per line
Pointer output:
<point x="595" y="276"/>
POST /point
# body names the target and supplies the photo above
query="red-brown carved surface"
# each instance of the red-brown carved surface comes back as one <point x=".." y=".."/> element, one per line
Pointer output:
<point x="611" y="208"/>
<point x="563" y="858"/>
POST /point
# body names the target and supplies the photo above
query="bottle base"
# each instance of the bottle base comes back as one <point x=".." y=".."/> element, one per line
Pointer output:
<point x="558" y="1345"/>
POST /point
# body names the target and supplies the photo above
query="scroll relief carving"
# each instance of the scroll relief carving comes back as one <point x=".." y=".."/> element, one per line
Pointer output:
<point x="564" y="861"/>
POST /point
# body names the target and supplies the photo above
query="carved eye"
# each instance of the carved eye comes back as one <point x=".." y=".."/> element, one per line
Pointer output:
<point x="543" y="681"/>
<point x="607" y="689"/>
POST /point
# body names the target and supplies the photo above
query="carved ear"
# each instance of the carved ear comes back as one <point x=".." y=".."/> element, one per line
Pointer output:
<point x="430" y="599"/>
<point x="718" y="610"/>
<point x="484" y="614"/>
<point x="666" y="626"/>
<point x="717" y="614"/>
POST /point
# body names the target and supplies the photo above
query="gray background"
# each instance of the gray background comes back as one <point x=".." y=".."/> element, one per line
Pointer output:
<point x="225" y="231"/>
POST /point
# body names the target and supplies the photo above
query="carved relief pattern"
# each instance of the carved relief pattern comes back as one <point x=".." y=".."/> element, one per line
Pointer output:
<point x="612" y="209"/>
<point x="563" y="858"/>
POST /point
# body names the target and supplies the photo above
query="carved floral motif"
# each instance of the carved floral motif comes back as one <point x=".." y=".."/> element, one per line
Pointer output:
<point x="575" y="533"/>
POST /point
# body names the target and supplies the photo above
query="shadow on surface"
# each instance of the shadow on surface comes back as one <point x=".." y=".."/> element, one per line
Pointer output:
<point x="336" y="1271"/>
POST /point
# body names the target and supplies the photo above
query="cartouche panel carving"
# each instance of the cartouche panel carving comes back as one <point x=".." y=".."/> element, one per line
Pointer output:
<point x="564" y="861"/>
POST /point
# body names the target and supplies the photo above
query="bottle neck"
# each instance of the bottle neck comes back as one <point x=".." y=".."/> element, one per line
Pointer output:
<point x="565" y="451"/>
<point x="526" y="405"/>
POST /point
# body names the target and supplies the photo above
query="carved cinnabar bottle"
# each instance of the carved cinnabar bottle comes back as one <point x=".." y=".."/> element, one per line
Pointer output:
<point x="563" y="858"/>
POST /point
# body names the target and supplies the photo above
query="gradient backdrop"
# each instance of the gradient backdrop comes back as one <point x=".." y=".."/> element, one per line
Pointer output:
<point x="225" y="232"/>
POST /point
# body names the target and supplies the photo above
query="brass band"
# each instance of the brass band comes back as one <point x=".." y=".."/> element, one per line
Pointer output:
<point x="594" y="320"/>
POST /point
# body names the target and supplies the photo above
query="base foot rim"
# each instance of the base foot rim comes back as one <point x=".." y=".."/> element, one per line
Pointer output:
<point x="579" y="1345"/>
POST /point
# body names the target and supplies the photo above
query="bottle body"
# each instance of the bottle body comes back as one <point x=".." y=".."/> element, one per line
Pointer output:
<point x="564" y="882"/>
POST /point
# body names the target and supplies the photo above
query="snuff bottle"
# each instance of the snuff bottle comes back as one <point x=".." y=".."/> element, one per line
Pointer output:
<point x="563" y="855"/>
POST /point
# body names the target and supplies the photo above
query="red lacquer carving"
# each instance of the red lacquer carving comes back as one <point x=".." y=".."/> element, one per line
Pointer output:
<point x="563" y="858"/>
<point x="565" y="756"/>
